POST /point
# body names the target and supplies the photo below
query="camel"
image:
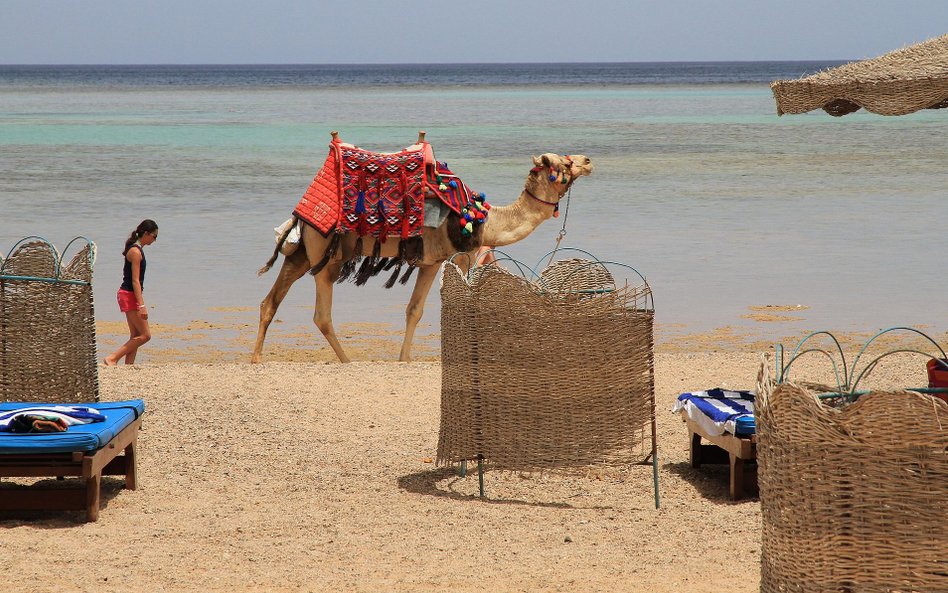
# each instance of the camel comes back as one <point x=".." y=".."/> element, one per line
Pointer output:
<point x="549" y="180"/>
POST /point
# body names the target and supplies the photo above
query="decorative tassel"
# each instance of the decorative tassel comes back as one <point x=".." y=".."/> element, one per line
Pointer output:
<point x="365" y="271"/>
<point x="360" y="201"/>
<point x="402" y="183"/>
<point x="357" y="250"/>
<point x="556" y="211"/>
<point x="406" y="212"/>
<point x="347" y="269"/>
<point x="369" y="266"/>
<point x="407" y="275"/>
<point x="391" y="281"/>
<point x="383" y="223"/>
<point x="383" y="261"/>
<point x="411" y="250"/>
<point x="360" y="206"/>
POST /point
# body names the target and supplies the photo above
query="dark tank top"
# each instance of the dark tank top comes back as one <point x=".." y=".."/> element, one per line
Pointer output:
<point x="127" y="272"/>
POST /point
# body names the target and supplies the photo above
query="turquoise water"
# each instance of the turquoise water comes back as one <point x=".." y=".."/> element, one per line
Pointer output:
<point x="701" y="187"/>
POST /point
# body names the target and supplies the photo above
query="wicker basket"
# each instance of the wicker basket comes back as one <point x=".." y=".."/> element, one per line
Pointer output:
<point x="555" y="373"/>
<point x="47" y="324"/>
<point x="852" y="499"/>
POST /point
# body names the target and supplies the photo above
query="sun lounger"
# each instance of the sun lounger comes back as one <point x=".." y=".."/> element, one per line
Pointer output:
<point x="726" y="420"/>
<point x="86" y="451"/>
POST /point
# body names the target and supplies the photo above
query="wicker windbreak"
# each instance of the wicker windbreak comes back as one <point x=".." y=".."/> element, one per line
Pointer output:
<point x="897" y="83"/>
<point x="47" y="324"/>
<point x="852" y="499"/>
<point x="552" y="373"/>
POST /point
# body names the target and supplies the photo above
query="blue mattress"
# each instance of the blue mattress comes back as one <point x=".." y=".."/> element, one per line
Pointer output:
<point x="82" y="437"/>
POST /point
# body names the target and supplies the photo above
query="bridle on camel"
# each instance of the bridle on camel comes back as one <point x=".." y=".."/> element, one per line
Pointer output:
<point x="567" y="180"/>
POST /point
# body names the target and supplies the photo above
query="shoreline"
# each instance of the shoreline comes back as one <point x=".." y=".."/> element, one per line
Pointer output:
<point x="229" y="334"/>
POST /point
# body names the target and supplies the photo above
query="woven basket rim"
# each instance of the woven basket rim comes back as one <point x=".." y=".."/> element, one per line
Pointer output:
<point x="73" y="267"/>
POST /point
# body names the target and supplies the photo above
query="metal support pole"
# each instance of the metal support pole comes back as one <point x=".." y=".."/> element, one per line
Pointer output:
<point x="462" y="471"/>
<point x="655" y="460"/>
<point x="480" y="474"/>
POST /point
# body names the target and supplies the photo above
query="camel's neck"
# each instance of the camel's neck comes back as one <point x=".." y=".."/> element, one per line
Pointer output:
<point x="511" y="223"/>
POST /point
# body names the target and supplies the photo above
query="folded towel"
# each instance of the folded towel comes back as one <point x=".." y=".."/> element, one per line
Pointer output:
<point x="718" y="411"/>
<point x="47" y="418"/>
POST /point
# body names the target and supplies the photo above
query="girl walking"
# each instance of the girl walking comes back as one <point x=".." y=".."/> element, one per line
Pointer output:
<point x="130" y="298"/>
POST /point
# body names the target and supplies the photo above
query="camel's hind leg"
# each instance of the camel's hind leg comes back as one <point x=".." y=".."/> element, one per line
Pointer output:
<point x="416" y="306"/>
<point x="293" y="268"/>
<point x="323" y="315"/>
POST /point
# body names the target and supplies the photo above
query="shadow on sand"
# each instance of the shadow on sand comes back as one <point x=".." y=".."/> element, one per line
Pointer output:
<point x="711" y="480"/>
<point x="111" y="487"/>
<point x="428" y="483"/>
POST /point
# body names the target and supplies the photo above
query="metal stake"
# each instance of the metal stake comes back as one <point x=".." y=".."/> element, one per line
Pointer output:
<point x="480" y="473"/>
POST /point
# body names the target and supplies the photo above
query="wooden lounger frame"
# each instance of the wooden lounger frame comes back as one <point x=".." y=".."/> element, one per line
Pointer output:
<point x="738" y="448"/>
<point x="89" y="466"/>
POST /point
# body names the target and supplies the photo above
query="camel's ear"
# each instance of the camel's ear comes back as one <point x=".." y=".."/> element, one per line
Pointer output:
<point x="546" y="161"/>
<point x="536" y="161"/>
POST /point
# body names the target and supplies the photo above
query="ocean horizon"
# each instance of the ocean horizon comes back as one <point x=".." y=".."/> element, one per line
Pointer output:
<point x="411" y="74"/>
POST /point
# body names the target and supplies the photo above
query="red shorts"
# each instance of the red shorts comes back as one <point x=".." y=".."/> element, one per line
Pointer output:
<point x="127" y="301"/>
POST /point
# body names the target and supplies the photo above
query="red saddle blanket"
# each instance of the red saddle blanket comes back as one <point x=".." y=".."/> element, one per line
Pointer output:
<point x="379" y="194"/>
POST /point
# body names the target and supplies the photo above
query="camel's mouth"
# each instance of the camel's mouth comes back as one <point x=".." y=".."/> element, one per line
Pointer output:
<point x="581" y="165"/>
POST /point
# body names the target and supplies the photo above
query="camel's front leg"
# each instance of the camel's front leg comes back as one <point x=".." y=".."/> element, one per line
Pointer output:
<point x="293" y="268"/>
<point x="323" y="315"/>
<point x="416" y="306"/>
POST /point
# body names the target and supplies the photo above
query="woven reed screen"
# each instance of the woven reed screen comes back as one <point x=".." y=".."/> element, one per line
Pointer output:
<point x="47" y="325"/>
<point x="852" y="499"/>
<point x="550" y="374"/>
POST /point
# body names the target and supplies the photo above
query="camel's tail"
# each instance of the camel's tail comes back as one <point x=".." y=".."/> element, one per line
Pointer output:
<point x="276" y="250"/>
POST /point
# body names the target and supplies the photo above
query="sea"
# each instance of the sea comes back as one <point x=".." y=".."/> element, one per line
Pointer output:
<point x="725" y="209"/>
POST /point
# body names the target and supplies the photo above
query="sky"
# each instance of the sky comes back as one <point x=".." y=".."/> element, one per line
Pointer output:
<point x="408" y="31"/>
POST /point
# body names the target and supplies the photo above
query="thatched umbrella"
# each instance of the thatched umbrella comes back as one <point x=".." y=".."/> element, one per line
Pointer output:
<point x="899" y="82"/>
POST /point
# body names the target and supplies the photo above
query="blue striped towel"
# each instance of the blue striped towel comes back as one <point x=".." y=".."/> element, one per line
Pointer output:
<point x="718" y="411"/>
<point x="71" y="415"/>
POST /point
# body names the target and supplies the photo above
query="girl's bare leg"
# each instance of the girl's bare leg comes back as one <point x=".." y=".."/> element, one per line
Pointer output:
<point x="139" y="334"/>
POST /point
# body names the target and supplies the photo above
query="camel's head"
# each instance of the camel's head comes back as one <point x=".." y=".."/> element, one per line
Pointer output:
<point x="553" y="174"/>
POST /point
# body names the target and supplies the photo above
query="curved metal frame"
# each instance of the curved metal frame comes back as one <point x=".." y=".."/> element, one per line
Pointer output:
<point x="58" y="258"/>
<point x="847" y="387"/>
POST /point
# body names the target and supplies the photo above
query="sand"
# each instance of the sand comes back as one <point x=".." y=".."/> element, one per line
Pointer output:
<point x="303" y="476"/>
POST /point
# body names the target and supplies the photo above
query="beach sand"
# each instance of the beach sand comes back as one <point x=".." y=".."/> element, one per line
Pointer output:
<point x="318" y="476"/>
